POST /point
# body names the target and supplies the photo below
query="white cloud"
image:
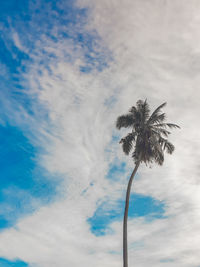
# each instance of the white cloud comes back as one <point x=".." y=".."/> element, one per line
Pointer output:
<point x="155" y="51"/>
<point x="18" y="43"/>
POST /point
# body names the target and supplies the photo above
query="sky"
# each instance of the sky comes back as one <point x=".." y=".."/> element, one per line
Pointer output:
<point x="68" y="69"/>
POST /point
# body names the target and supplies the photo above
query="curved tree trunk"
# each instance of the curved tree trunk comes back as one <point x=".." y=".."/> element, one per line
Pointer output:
<point x="125" y="243"/>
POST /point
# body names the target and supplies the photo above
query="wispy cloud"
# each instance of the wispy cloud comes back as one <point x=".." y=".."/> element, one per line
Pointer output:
<point x="18" y="43"/>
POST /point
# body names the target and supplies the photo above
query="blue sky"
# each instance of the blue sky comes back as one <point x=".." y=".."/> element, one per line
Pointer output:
<point x="67" y="70"/>
<point x="19" y="182"/>
<point x="6" y="263"/>
<point x="141" y="206"/>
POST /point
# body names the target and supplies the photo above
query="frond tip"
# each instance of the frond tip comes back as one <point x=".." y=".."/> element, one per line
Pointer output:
<point x="127" y="143"/>
<point x="169" y="147"/>
<point x="124" y="121"/>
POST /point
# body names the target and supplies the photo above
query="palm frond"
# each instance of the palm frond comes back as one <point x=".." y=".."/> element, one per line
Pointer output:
<point x="156" y="147"/>
<point x="158" y="118"/>
<point x="125" y="121"/>
<point x="127" y="143"/>
<point x="139" y="104"/>
<point x="172" y="125"/>
<point x="159" y="157"/>
<point x="156" y="112"/>
<point x="165" y="125"/>
<point x="159" y="131"/>
<point x="169" y="147"/>
<point x="133" y="110"/>
<point x="145" y="111"/>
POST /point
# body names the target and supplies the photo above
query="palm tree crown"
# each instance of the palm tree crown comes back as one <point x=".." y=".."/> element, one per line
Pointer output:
<point x="148" y="137"/>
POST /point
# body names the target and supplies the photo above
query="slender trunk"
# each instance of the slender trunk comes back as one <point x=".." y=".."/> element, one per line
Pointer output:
<point x="125" y="243"/>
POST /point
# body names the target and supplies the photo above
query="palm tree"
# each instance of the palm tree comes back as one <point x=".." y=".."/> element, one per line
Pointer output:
<point x="148" y="139"/>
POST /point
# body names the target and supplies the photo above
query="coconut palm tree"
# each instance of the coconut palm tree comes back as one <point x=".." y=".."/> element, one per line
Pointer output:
<point x="148" y="140"/>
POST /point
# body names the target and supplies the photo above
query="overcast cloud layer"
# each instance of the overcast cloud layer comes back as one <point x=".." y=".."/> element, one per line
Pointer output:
<point x="135" y="50"/>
